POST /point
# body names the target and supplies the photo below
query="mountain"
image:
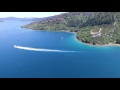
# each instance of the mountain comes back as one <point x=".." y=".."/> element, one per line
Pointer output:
<point x="41" y="19"/>
<point x="96" y="28"/>
<point x="16" y="18"/>
<point x="25" y="19"/>
<point x="1" y="21"/>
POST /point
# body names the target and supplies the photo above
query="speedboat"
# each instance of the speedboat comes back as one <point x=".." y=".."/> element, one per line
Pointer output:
<point x="15" y="46"/>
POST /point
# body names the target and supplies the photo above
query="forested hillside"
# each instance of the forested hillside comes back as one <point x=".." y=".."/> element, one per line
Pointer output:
<point x="91" y="27"/>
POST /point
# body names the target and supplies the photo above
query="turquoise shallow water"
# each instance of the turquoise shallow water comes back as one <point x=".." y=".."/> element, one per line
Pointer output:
<point x="90" y="61"/>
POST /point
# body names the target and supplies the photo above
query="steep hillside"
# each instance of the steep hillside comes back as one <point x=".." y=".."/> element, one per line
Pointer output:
<point x="91" y="27"/>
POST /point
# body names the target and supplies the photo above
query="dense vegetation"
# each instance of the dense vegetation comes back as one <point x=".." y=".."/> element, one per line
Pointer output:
<point x="86" y="24"/>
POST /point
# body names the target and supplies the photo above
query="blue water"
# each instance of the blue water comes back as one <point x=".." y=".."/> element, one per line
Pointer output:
<point x="88" y="62"/>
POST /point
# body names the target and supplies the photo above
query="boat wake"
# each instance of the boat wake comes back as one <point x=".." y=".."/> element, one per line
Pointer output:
<point x="40" y="49"/>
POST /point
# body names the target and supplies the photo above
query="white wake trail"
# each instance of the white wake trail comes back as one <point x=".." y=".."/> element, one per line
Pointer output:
<point x="39" y="49"/>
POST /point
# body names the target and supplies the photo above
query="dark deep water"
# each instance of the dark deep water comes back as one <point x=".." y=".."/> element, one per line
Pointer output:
<point x="90" y="61"/>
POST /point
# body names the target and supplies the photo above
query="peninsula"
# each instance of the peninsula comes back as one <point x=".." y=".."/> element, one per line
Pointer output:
<point x="94" y="28"/>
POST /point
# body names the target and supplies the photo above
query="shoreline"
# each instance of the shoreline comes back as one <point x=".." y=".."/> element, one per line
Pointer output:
<point x="110" y="44"/>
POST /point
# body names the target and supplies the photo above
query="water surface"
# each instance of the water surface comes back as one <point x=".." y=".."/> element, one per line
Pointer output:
<point x="90" y="61"/>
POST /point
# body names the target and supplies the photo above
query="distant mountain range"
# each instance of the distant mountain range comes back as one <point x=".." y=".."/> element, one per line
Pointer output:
<point x="14" y="18"/>
<point x="1" y="21"/>
<point x="25" y="19"/>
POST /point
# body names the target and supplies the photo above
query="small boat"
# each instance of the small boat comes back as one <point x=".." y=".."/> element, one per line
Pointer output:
<point x="61" y="37"/>
<point x="15" y="46"/>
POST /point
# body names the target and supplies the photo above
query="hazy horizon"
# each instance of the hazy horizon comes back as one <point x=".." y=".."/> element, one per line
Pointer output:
<point x="28" y="14"/>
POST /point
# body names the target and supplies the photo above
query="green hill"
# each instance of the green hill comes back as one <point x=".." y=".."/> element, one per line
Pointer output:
<point x="91" y="27"/>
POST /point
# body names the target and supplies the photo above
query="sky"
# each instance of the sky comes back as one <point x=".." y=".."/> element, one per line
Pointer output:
<point x="28" y="14"/>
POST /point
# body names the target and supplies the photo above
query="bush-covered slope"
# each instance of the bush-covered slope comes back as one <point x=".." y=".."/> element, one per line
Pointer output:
<point x="91" y="27"/>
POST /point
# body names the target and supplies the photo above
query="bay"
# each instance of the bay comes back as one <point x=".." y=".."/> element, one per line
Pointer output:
<point x="86" y="62"/>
